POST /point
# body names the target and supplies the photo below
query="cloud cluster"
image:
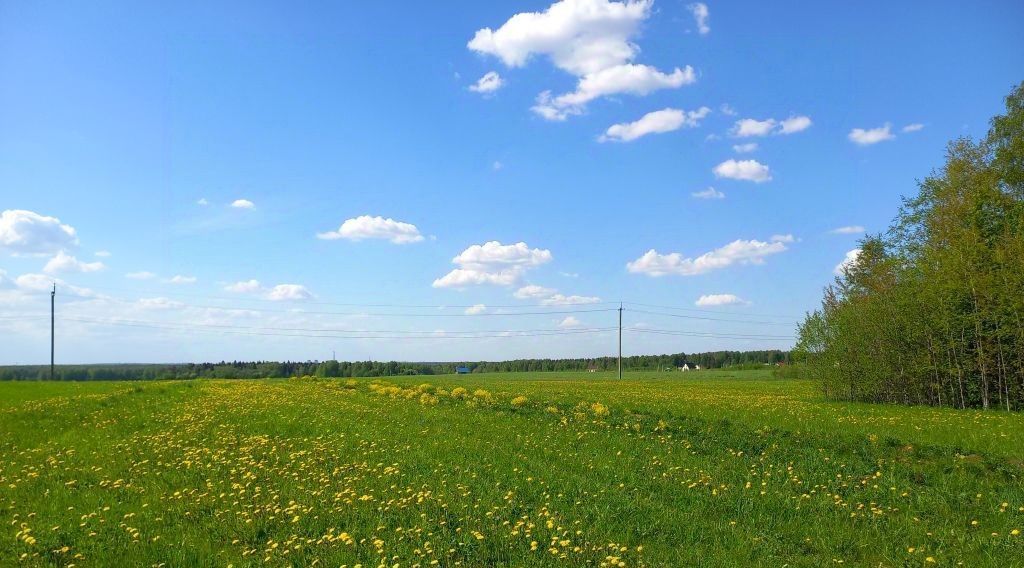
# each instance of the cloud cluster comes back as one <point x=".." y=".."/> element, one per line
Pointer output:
<point x="367" y="227"/>
<point x="659" y="121"/>
<point x="281" y="292"/>
<point x="493" y="263"/>
<point x="591" y="39"/>
<point x="29" y="233"/>
<point x="700" y="16"/>
<point x="748" y="127"/>
<point x="653" y="263"/>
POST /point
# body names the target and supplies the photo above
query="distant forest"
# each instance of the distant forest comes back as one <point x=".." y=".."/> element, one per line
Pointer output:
<point x="265" y="369"/>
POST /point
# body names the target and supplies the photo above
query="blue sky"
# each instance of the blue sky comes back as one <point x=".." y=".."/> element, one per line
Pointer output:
<point x="230" y="143"/>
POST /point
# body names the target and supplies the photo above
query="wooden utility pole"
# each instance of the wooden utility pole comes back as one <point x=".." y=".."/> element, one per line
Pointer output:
<point x="53" y="294"/>
<point x="620" y="340"/>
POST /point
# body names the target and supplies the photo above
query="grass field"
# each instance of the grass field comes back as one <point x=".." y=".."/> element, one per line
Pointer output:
<point x="556" y="469"/>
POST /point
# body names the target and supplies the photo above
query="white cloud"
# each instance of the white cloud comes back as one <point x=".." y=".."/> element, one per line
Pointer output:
<point x="489" y="83"/>
<point x="747" y="127"/>
<point x="579" y="36"/>
<point x="102" y="253"/>
<point x="42" y="282"/>
<point x="562" y="300"/>
<point x="243" y="204"/>
<point x="848" y="230"/>
<point x="709" y="193"/>
<point x="143" y="275"/>
<point x="497" y="165"/>
<point x="720" y="300"/>
<point x="244" y="286"/>
<point x="367" y="227"/>
<point x="727" y="110"/>
<point x="700" y="14"/>
<point x="659" y="121"/>
<point x="64" y="262"/>
<point x="179" y="279"/>
<point x="283" y="292"/>
<point x="492" y="263"/>
<point x="158" y="304"/>
<point x="849" y="260"/>
<point x="864" y="137"/>
<point x="745" y="148"/>
<point x="794" y="124"/>
<point x="533" y="292"/>
<point x="787" y="238"/>
<point x="912" y="127"/>
<point x="591" y="39"/>
<point x="475" y="309"/>
<point x="202" y="201"/>
<point x="739" y="251"/>
<point x="747" y="170"/>
<point x="29" y="233"/>
<point x="628" y="78"/>
<point x="569" y="321"/>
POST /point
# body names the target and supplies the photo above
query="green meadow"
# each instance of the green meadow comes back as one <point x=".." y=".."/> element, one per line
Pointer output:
<point x="709" y="468"/>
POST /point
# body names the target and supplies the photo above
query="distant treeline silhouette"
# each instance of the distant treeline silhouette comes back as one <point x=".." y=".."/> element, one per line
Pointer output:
<point x="263" y="369"/>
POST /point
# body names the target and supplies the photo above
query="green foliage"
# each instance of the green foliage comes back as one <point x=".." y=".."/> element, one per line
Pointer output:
<point x="933" y="311"/>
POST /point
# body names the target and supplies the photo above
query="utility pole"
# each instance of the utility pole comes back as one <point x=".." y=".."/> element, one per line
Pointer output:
<point x="620" y="340"/>
<point x="53" y="294"/>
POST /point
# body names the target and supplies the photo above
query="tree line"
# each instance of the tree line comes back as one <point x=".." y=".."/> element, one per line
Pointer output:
<point x="932" y="311"/>
<point x="280" y="369"/>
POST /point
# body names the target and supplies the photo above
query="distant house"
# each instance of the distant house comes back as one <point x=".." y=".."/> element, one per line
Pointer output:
<point x="462" y="370"/>
<point x="591" y="369"/>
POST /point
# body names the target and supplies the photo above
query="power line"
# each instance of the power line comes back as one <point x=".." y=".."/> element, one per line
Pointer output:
<point x="683" y="316"/>
<point x="698" y="310"/>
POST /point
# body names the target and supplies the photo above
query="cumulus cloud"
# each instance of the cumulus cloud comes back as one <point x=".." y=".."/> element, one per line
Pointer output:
<point x="493" y="263"/>
<point x="848" y="261"/>
<point x="745" y="148"/>
<point x="490" y="82"/>
<point x="563" y="300"/>
<point x="913" y="127"/>
<point x="475" y="309"/>
<point x="143" y="275"/>
<point x="202" y="201"/>
<point x="748" y="127"/>
<point x="746" y="170"/>
<point x="709" y="193"/>
<point x="659" y="121"/>
<point x="367" y="227"/>
<point x="848" y="230"/>
<point x="533" y="292"/>
<point x="29" y="233"/>
<point x="653" y="263"/>
<point x="700" y="15"/>
<point x="591" y="39"/>
<point x="243" y="204"/>
<point x="628" y="78"/>
<point x="180" y="279"/>
<point x="283" y="292"/>
<point x="64" y="262"/>
<point x="720" y="300"/>
<point x="870" y="136"/>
